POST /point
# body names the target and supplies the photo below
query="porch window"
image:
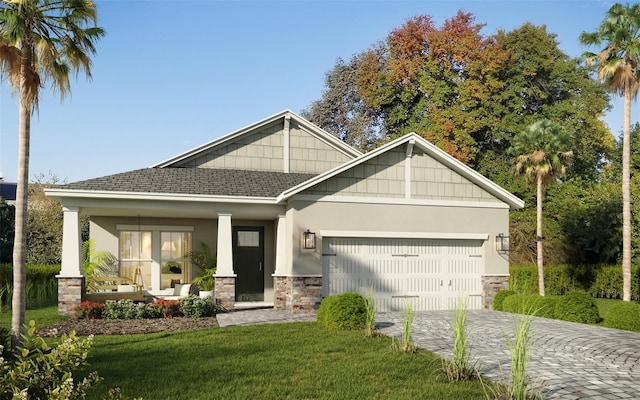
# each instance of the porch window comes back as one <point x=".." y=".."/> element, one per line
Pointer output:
<point x="174" y="247"/>
<point x="135" y="256"/>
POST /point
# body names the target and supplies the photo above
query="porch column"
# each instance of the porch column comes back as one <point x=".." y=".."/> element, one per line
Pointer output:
<point x="71" y="282"/>
<point x="281" y="246"/>
<point x="225" y="285"/>
<point x="71" y="243"/>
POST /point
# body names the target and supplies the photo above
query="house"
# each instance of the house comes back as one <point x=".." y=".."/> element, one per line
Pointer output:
<point x="8" y="191"/>
<point x="294" y="215"/>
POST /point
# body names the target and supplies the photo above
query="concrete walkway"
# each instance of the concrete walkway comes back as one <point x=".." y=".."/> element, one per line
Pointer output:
<point x="569" y="360"/>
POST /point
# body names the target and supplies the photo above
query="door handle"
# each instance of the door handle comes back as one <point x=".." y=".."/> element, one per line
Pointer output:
<point x="449" y="282"/>
<point x="261" y="267"/>
<point x="441" y="282"/>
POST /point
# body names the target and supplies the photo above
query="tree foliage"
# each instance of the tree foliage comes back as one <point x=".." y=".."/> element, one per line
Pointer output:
<point x="44" y="224"/>
<point x="343" y="112"/>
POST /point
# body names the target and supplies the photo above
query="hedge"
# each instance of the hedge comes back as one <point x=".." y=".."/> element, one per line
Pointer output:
<point x="40" y="273"/>
<point x="532" y="304"/>
<point x="624" y="315"/>
<point x="603" y="281"/>
<point x="577" y="307"/>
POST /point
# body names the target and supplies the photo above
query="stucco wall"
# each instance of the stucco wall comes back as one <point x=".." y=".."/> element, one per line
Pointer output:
<point x="380" y="218"/>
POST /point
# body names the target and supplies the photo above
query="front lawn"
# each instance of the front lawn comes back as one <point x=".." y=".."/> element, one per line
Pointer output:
<point x="43" y="316"/>
<point x="276" y="361"/>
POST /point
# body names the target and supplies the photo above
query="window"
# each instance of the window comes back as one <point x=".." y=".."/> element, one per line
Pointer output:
<point x="135" y="256"/>
<point x="174" y="248"/>
<point x="155" y="256"/>
<point x="248" y="239"/>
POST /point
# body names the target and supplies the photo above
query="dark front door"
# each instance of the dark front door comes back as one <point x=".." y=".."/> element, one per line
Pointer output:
<point x="248" y="262"/>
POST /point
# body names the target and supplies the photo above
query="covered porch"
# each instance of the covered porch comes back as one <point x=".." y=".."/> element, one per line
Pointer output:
<point x="250" y="237"/>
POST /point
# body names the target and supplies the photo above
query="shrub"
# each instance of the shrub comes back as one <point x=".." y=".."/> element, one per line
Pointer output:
<point x="197" y="307"/>
<point x="530" y="304"/>
<point x="624" y="315"/>
<point x="89" y="310"/>
<point x="325" y="305"/>
<point x="127" y="309"/>
<point x="166" y="308"/>
<point x="346" y="312"/>
<point x="42" y="371"/>
<point x="500" y="296"/>
<point x="577" y="307"/>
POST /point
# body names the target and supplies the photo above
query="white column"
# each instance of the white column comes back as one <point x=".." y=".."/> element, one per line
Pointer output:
<point x="156" y="268"/>
<point x="71" y="244"/>
<point x="281" y="246"/>
<point x="225" y="249"/>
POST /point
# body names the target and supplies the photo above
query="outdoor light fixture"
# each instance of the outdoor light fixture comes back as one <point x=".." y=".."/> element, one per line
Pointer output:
<point x="502" y="243"/>
<point x="308" y="240"/>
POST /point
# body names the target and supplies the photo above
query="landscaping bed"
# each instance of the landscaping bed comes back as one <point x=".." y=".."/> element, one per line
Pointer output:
<point x="85" y="327"/>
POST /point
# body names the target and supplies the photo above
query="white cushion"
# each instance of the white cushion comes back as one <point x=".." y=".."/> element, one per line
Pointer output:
<point x="126" y="288"/>
<point x="182" y="289"/>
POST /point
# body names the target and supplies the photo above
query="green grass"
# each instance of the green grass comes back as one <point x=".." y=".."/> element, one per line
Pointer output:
<point x="43" y="316"/>
<point x="279" y="361"/>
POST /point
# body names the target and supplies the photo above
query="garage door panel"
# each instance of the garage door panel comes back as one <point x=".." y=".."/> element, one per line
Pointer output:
<point x="431" y="274"/>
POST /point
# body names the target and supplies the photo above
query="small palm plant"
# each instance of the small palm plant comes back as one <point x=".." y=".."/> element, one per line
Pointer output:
<point x="207" y="262"/>
<point x="97" y="263"/>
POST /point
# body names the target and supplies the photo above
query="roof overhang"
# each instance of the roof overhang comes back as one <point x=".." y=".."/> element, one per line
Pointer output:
<point x="166" y="205"/>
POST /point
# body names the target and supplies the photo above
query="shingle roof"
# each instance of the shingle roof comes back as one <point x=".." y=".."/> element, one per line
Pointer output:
<point x="195" y="181"/>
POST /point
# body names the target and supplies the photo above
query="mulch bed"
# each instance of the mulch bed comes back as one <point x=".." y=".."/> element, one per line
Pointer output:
<point x="85" y="327"/>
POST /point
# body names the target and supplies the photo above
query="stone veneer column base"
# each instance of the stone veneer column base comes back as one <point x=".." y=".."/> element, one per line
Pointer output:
<point x="297" y="293"/>
<point x="492" y="284"/>
<point x="225" y="292"/>
<point x="70" y="294"/>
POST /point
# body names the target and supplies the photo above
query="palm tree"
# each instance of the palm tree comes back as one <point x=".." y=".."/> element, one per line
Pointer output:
<point x="40" y="41"/>
<point x="541" y="153"/>
<point x="618" y="69"/>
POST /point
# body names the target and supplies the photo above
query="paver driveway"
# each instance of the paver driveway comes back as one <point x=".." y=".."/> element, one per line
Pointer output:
<point x="569" y="360"/>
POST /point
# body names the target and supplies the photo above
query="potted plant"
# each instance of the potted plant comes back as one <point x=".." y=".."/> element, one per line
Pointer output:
<point x="207" y="263"/>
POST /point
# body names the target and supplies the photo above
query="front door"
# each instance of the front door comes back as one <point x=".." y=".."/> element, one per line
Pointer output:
<point x="248" y="262"/>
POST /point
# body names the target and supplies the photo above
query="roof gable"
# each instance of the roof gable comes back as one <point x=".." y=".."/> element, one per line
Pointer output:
<point x="284" y="142"/>
<point x="381" y="173"/>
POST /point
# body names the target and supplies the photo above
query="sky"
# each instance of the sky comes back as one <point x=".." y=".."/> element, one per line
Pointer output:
<point x="172" y="75"/>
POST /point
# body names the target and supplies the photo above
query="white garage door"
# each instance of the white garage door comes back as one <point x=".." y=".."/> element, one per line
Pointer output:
<point x="430" y="274"/>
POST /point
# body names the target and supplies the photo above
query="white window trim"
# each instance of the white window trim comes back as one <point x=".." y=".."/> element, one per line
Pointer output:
<point x="151" y="228"/>
<point x="406" y="235"/>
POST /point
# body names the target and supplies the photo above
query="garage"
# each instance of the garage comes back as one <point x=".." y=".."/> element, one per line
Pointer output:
<point x="429" y="274"/>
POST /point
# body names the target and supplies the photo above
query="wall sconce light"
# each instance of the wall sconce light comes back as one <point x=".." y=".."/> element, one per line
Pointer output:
<point x="308" y="240"/>
<point x="502" y="243"/>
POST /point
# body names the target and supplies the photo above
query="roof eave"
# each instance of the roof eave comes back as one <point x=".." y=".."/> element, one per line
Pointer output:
<point x="122" y="195"/>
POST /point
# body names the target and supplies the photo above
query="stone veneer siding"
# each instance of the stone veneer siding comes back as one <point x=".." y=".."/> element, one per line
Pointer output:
<point x="297" y="293"/>
<point x="491" y="285"/>
<point x="70" y="294"/>
<point x="225" y="292"/>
